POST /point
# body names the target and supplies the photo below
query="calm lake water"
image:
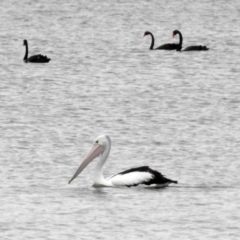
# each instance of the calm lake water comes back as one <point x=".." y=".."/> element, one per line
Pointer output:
<point x="178" y="112"/>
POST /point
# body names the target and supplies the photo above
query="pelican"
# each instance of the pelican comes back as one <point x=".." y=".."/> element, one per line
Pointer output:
<point x="129" y="178"/>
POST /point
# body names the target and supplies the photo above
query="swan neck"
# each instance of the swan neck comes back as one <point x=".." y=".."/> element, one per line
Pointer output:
<point x="26" y="54"/>
<point x="180" y="39"/>
<point x="152" y="44"/>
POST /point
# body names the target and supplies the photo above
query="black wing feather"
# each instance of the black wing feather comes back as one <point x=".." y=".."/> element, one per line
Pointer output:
<point x="169" y="46"/>
<point x="157" y="178"/>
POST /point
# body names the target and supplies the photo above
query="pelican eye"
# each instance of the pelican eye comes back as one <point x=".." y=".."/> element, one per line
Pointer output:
<point x="96" y="141"/>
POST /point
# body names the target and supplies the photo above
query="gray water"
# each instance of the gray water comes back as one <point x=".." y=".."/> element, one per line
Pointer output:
<point x="178" y="112"/>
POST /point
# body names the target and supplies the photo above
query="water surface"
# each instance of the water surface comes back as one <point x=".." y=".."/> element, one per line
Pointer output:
<point x="176" y="112"/>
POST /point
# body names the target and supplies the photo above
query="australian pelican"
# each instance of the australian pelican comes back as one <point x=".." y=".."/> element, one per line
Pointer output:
<point x="131" y="177"/>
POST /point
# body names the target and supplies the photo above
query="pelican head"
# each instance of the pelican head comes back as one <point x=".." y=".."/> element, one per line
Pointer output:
<point x="100" y="146"/>
<point x="103" y="140"/>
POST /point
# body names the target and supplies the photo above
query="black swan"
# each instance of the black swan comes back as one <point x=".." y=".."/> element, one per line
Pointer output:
<point x="36" y="58"/>
<point x="190" y="48"/>
<point x="167" y="46"/>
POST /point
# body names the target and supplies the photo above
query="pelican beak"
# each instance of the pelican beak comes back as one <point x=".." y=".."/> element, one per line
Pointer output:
<point x="94" y="152"/>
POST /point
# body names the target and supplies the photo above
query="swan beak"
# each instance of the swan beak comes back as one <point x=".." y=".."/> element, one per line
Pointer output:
<point x="94" y="152"/>
<point x="173" y="35"/>
<point x="144" y="35"/>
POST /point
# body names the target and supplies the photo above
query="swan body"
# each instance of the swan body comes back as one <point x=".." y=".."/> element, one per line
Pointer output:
<point x="167" y="46"/>
<point x="35" y="58"/>
<point x="190" y="48"/>
<point x="131" y="177"/>
<point x="196" y="48"/>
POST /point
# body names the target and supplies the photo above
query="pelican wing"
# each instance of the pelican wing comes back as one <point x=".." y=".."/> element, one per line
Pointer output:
<point x="140" y="175"/>
<point x="131" y="179"/>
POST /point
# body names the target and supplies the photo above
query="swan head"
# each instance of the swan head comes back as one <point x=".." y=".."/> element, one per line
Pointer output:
<point x="146" y="33"/>
<point x="24" y="42"/>
<point x="175" y="32"/>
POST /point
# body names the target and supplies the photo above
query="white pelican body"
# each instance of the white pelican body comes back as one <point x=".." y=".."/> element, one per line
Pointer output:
<point x="131" y="177"/>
